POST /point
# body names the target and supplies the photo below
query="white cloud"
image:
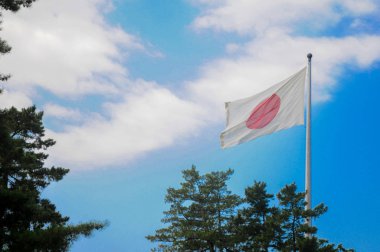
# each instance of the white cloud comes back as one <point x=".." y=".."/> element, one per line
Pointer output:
<point x="149" y="117"/>
<point x="256" y="17"/>
<point x="274" y="51"/>
<point x="66" y="47"/>
<point x="14" y="99"/>
<point x="261" y="66"/>
<point x="54" y="110"/>
<point x="355" y="7"/>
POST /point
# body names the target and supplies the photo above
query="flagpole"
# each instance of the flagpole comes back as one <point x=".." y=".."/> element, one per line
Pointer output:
<point x="308" y="145"/>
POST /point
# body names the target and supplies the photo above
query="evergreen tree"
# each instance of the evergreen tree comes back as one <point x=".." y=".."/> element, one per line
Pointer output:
<point x="27" y="221"/>
<point x="205" y="216"/>
<point x="199" y="215"/>
<point x="294" y="216"/>
<point x="15" y="5"/>
<point x="258" y="223"/>
<point x="4" y="48"/>
<point x="313" y="244"/>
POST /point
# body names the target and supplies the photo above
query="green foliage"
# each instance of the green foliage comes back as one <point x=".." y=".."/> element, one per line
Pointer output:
<point x="199" y="215"/>
<point x="4" y="48"/>
<point x="293" y="216"/>
<point x="205" y="216"/>
<point x="28" y="222"/>
<point x="257" y="224"/>
<point x="15" y="5"/>
<point x="314" y="244"/>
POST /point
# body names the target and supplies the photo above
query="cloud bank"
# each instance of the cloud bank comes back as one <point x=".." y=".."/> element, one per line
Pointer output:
<point x="67" y="48"/>
<point x="73" y="54"/>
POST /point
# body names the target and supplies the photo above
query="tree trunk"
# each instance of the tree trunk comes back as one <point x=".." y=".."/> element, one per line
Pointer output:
<point x="211" y="246"/>
<point x="294" y="236"/>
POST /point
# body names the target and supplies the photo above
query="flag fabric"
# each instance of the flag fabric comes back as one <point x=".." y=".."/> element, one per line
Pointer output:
<point x="279" y="107"/>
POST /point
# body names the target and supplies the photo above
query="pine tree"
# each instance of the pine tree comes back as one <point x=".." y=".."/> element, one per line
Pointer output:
<point x="15" y="5"/>
<point x="205" y="216"/>
<point x="27" y="221"/>
<point x="199" y="215"/>
<point x="294" y="215"/>
<point x="313" y="244"/>
<point x="4" y="48"/>
<point x="259" y="225"/>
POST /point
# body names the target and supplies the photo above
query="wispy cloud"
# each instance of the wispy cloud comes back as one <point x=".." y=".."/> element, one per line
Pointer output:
<point x="254" y="17"/>
<point x="148" y="117"/>
<point x="277" y="46"/>
<point x="269" y="59"/>
<point x="60" y="112"/>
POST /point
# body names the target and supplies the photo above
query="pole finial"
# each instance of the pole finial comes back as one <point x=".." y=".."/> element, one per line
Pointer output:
<point x="309" y="55"/>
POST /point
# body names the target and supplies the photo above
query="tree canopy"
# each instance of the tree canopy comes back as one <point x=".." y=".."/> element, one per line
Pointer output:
<point x="199" y="213"/>
<point x="15" y="5"/>
<point x="27" y="221"/>
<point x="205" y="216"/>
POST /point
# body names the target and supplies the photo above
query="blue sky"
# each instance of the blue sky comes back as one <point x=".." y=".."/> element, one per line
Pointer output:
<point x="133" y="93"/>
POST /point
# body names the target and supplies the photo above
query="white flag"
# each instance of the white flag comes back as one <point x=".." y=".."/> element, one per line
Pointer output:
<point x="279" y="107"/>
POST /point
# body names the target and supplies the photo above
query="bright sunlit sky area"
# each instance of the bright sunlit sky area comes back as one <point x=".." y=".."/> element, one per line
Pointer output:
<point x="133" y="92"/>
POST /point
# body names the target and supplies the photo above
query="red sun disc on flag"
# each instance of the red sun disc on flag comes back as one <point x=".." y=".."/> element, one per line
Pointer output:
<point x="264" y="113"/>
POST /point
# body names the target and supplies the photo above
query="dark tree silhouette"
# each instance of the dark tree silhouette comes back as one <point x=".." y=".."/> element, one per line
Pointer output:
<point x="205" y="216"/>
<point x="27" y="221"/>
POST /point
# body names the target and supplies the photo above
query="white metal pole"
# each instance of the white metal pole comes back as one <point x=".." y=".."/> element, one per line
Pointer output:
<point x="308" y="144"/>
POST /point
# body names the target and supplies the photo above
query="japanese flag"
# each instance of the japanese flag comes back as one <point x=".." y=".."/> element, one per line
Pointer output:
<point x="279" y="107"/>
